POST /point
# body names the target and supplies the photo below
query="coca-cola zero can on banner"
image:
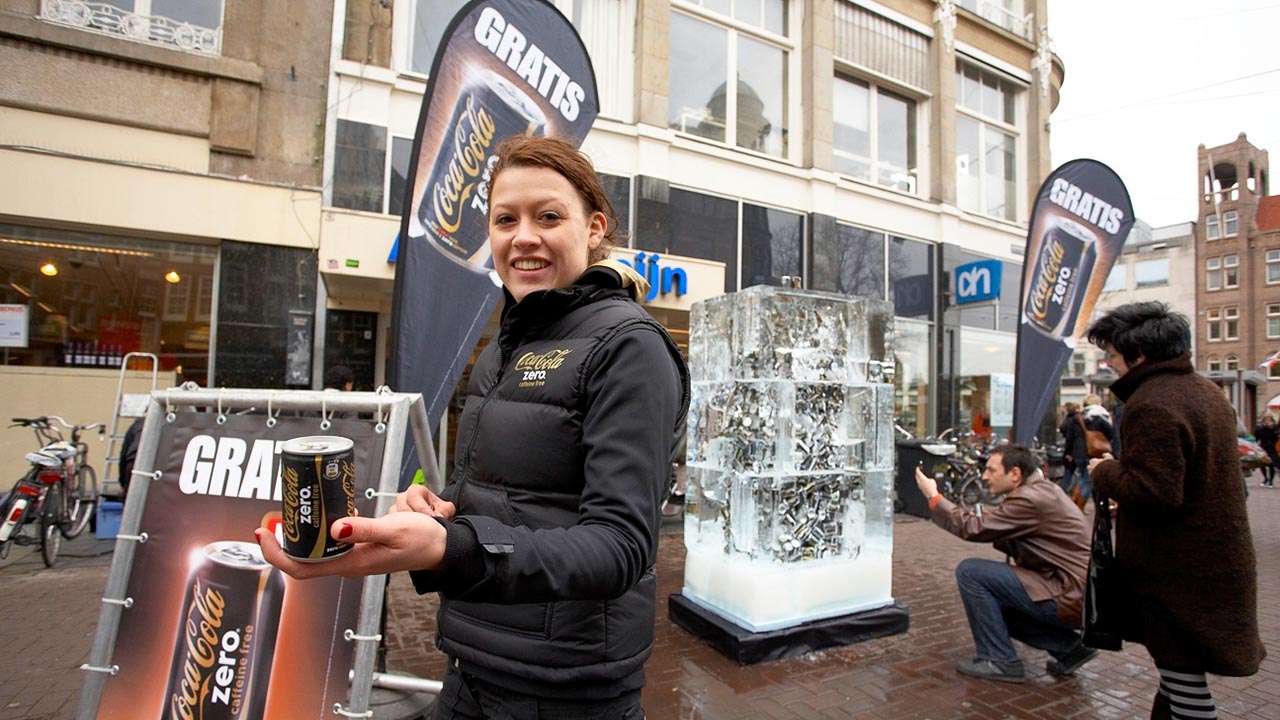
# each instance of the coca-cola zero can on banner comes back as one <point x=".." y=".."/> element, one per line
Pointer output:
<point x="226" y="636"/>
<point x="318" y="479"/>
<point x="1068" y="251"/>
<point x="454" y="209"/>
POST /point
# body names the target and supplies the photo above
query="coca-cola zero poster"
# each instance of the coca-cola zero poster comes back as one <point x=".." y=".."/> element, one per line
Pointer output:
<point x="213" y="631"/>
<point x="1080" y="220"/>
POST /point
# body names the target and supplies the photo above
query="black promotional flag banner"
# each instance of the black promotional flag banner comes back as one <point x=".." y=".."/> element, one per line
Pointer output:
<point x="1079" y="224"/>
<point x="504" y="67"/>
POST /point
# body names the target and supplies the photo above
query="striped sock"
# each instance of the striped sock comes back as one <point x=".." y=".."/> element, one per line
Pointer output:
<point x="1188" y="695"/>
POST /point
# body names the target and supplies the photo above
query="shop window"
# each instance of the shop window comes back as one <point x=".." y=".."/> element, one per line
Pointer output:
<point x="852" y="262"/>
<point x="911" y="278"/>
<point x="986" y="142"/>
<point x="729" y="62"/>
<point x="1273" y="267"/>
<point x="913" y="365"/>
<point x="875" y="134"/>
<point x="1273" y="321"/>
<point x="188" y="25"/>
<point x="1213" y="274"/>
<point x="1231" y="363"/>
<point x="772" y="242"/>
<point x="1151" y="272"/>
<point x="703" y="226"/>
<point x="1231" y="323"/>
<point x="1231" y="272"/>
<point x="1214" y="364"/>
<point x="266" y="342"/>
<point x="91" y="299"/>
<point x="1213" y="319"/>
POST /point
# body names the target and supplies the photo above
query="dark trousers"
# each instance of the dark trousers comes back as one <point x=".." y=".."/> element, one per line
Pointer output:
<point x="999" y="609"/>
<point x="466" y="697"/>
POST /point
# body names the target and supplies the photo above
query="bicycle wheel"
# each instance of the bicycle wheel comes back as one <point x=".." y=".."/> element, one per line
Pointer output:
<point x="972" y="493"/>
<point x="50" y="526"/>
<point x="82" y="500"/>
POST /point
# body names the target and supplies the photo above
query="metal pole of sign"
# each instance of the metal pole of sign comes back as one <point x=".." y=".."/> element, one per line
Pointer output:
<point x="375" y="585"/>
<point x="422" y="438"/>
<point x="114" y="601"/>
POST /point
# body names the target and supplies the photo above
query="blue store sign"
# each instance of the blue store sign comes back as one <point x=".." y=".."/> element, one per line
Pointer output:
<point x="977" y="281"/>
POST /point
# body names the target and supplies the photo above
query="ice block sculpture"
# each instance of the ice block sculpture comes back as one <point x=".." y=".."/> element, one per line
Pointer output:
<point x="790" y="456"/>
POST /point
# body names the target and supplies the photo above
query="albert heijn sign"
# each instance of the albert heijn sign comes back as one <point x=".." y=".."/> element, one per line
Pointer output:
<point x="676" y="282"/>
<point x="977" y="281"/>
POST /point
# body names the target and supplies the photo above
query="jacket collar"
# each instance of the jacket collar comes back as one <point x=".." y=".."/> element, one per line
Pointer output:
<point x="543" y="307"/>
<point x="1140" y="373"/>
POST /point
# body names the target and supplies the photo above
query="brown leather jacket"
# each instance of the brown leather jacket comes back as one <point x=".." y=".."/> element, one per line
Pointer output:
<point x="1043" y="533"/>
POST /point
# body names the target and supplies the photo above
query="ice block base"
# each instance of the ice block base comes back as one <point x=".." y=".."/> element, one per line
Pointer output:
<point x="747" y="647"/>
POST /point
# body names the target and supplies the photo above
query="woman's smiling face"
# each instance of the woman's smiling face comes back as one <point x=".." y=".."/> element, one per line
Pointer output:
<point x="540" y="230"/>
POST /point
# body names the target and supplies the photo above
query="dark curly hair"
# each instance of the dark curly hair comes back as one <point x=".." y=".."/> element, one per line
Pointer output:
<point x="1143" y="329"/>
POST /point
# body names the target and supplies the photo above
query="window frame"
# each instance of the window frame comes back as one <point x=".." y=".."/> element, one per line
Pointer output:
<point x="1015" y="129"/>
<point x="1230" y="223"/>
<point x="788" y="43"/>
<point x="1231" y="363"/>
<point x="1213" y="320"/>
<point x="1231" y="323"/>
<point x="875" y="88"/>
<point x="1272" y="259"/>
<point x="1212" y="230"/>
<point x="1213" y="364"/>
<point x="1138" y="269"/>
<point x="1213" y="274"/>
<point x="1273" y="321"/>
<point x="1230" y="272"/>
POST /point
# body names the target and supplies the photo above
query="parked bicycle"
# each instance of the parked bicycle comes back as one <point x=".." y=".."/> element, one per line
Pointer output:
<point x="58" y="494"/>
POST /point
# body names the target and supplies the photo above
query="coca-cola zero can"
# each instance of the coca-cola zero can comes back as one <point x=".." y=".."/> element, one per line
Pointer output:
<point x="455" y="202"/>
<point x="1068" y="251"/>
<point x="226" y="636"/>
<point x="318" y="479"/>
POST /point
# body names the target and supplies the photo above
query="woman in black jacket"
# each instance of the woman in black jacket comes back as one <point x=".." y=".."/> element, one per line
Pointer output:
<point x="1075" y="456"/>
<point x="542" y="546"/>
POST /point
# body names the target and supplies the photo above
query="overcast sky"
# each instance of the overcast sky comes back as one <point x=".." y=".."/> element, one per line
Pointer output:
<point x="1147" y="82"/>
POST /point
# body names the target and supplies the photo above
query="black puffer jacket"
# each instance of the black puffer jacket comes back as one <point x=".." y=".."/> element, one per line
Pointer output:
<point x="563" y="459"/>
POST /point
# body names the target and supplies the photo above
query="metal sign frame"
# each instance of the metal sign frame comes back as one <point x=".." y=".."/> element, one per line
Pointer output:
<point x="395" y="411"/>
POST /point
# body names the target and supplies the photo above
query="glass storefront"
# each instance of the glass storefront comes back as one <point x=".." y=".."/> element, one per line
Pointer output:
<point x="986" y="380"/>
<point x="93" y="298"/>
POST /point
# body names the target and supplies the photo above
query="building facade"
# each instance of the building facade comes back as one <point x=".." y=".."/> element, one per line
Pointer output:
<point x="1238" y="277"/>
<point x="864" y="146"/>
<point x="161" y="195"/>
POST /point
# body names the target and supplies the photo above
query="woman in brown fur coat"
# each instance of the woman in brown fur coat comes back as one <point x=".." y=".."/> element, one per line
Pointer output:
<point x="1183" y="545"/>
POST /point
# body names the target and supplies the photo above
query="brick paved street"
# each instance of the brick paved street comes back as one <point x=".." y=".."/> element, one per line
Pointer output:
<point x="48" y="619"/>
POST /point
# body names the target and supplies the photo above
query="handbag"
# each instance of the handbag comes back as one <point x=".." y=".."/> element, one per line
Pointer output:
<point x="1096" y="442"/>
<point x="1103" y="596"/>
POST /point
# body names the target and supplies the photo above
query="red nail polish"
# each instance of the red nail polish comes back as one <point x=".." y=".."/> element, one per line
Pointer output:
<point x="345" y="532"/>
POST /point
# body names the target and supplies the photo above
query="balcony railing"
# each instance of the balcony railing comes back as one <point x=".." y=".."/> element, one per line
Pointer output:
<point x="149" y="29"/>
<point x="997" y="14"/>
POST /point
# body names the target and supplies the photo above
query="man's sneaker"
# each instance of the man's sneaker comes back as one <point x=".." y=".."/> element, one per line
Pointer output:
<point x="992" y="670"/>
<point x="1077" y="656"/>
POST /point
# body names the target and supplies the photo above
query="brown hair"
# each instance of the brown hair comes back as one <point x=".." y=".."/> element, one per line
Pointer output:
<point x="573" y="165"/>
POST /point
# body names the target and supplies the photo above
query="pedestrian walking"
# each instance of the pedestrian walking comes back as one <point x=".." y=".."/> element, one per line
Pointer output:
<point x="1268" y="435"/>
<point x="1184" y="555"/>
